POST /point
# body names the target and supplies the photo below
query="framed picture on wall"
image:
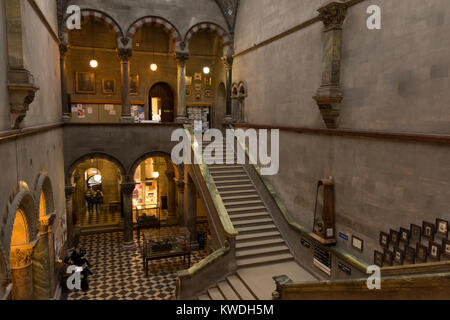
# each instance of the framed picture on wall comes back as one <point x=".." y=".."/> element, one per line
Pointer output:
<point x="384" y="240"/>
<point x="197" y="76"/>
<point x="446" y="247"/>
<point x="188" y="81"/>
<point x="109" y="86"/>
<point x="378" y="258"/>
<point x="421" y="253"/>
<point x="416" y="233"/>
<point x="134" y="84"/>
<point x="442" y="227"/>
<point x="399" y="256"/>
<point x="85" y="82"/>
<point x="434" y="251"/>
<point x="405" y="234"/>
<point x="188" y="92"/>
<point x="395" y="238"/>
<point x="388" y="257"/>
<point x="410" y="255"/>
<point x="428" y="231"/>
<point x="198" y="87"/>
<point x="357" y="243"/>
<point x="208" y="93"/>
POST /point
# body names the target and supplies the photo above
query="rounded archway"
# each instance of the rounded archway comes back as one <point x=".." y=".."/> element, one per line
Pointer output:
<point x="97" y="196"/>
<point x="161" y="103"/>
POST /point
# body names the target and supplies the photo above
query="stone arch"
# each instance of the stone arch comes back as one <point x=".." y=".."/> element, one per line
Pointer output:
<point x="226" y="37"/>
<point x="20" y="199"/>
<point x="97" y="15"/>
<point x="153" y="154"/>
<point x="242" y="89"/>
<point x="44" y="184"/>
<point x="97" y="155"/>
<point x="234" y="90"/>
<point x="157" y="21"/>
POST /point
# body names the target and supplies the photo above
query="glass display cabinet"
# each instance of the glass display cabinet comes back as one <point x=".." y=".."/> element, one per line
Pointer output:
<point x="166" y="243"/>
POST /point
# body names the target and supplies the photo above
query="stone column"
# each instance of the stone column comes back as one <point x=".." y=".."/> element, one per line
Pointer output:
<point x="180" y="200"/>
<point x="190" y="209"/>
<point x="69" y="190"/>
<point x="127" y="193"/>
<point x="66" y="109"/>
<point x="43" y="261"/>
<point x="22" y="271"/>
<point x="181" y="81"/>
<point x="228" y="63"/>
<point x="125" y="55"/>
<point x="329" y="96"/>
<point x="171" y="197"/>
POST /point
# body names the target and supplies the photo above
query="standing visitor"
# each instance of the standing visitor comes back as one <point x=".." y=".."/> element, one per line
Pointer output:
<point x="89" y="197"/>
<point x="98" y="199"/>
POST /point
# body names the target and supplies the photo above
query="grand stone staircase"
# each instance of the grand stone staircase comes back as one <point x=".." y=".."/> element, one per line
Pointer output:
<point x="259" y="244"/>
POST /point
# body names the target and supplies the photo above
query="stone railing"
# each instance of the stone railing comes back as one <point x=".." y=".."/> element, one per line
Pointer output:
<point x="222" y="262"/>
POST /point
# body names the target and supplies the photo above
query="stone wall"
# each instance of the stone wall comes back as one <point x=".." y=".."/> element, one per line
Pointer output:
<point x="393" y="80"/>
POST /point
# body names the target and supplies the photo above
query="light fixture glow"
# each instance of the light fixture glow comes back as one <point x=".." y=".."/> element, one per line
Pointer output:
<point x="156" y="175"/>
<point x="97" y="178"/>
<point x="153" y="67"/>
<point x="93" y="63"/>
<point x="206" y="70"/>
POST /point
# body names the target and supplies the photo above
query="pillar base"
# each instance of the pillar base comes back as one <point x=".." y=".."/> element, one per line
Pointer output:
<point x="127" y="119"/>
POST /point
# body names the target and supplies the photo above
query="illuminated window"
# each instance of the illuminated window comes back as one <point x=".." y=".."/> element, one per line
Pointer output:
<point x="42" y="205"/>
<point x="20" y="229"/>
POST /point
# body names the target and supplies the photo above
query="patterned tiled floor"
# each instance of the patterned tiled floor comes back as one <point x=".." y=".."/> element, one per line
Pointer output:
<point x="119" y="274"/>
<point x="103" y="218"/>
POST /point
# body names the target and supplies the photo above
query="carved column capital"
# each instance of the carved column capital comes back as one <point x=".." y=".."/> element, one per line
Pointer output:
<point x="180" y="185"/>
<point x="227" y="62"/>
<point x="125" y="54"/>
<point x="170" y="175"/>
<point x="128" y="188"/>
<point x="181" y="57"/>
<point x="69" y="190"/>
<point x="333" y="15"/>
<point x="20" y="256"/>
<point x="46" y="223"/>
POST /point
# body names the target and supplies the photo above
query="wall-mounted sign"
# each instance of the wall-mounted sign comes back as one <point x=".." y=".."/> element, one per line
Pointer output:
<point x="305" y="243"/>
<point x="343" y="236"/>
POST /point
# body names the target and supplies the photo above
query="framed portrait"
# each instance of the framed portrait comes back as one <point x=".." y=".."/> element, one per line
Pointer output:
<point x="109" y="86"/>
<point x="134" y="84"/>
<point x="399" y="256"/>
<point x="85" y="82"/>
<point x="446" y="247"/>
<point x="198" y="95"/>
<point x="384" y="240"/>
<point x="428" y="231"/>
<point x="198" y="87"/>
<point x="442" y="227"/>
<point x="188" y="81"/>
<point x="395" y="238"/>
<point x="197" y="76"/>
<point x="378" y="259"/>
<point x="357" y="244"/>
<point x="416" y="233"/>
<point x="434" y="251"/>
<point x="188" y="92"/>
<point x="405" y="234"/>
<point x="421" y="253"/>
<point x="388" y="257"/>
<point x="207" y="81"/>
<point x="410" y="255"/>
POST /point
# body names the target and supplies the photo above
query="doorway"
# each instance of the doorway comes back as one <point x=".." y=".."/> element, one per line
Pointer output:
<point x="161" y="103"/>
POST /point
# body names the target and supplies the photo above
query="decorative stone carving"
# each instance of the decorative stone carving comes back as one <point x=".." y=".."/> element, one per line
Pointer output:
<point x="125" y="41"/>
<point x="227" y="62"/>
<point x="329" y="95"/>
<point x="333" y="15"/>
<point x="20" y="256"/>
<point x="46" y="223"/>
<point x="125" y="54"/>
<point x="22" y="92"/>
<point x="128" y="188"/>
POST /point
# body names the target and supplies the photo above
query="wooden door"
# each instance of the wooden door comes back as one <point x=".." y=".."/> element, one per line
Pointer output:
<point x="164" y="92"/>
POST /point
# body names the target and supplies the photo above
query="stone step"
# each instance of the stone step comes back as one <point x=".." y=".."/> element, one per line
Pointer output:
<point x="225" y="173"/>
<point x="257" y="261"/>
<point x="215" y="294"/>
<point x="240" y="288"/>
<point x="227" y="291"/>
<point x="260" y="244"/>
<point x="241" y="192"/>
<point x="234" y="187"/>
<point x="233" y="182"/>
<point x="246" y="216"/>
<point x="258" y="229"/>
<point x="241" y="197"/>
<point x="252" y="222"/>
<point x="242" y="176"/>
<point x="262" y="252"/>
<point x="246" y="209"/>
<point x="260" y="236"/>
<point x="224" y="167"/>
<point x="244" y="203"/>
<point x="204" y="298"/>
